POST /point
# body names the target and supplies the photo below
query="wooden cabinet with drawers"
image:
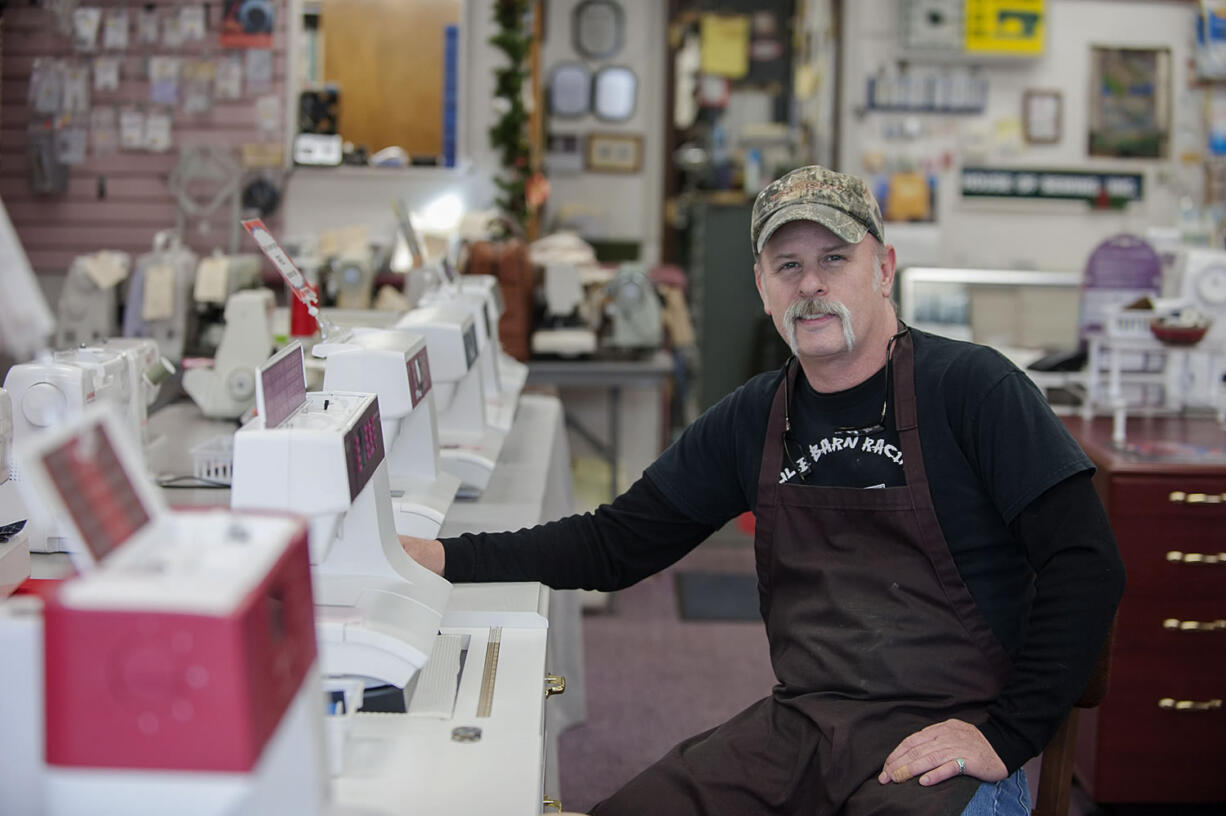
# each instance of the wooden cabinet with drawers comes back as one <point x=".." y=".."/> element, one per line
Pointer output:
<point x="1160" y="735"/>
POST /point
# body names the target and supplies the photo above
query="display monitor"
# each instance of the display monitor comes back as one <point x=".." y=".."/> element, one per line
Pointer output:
<point x="281" y="385"/>
<point x="87" y="473"/>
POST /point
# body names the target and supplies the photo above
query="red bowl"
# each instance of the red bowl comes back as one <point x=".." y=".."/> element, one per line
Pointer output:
<point x="1178" y="335"/>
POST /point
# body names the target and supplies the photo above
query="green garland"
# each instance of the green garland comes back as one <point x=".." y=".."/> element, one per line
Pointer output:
<point x="509" y="134"/>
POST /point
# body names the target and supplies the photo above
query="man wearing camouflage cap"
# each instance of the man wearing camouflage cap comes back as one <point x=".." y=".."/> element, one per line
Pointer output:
<point x="935" y="571"/>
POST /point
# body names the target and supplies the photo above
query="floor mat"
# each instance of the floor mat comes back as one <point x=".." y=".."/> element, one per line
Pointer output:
<point x="725" y="596"/>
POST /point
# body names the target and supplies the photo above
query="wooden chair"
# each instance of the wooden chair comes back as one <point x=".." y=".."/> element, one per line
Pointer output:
<point x="1056" y="766"/>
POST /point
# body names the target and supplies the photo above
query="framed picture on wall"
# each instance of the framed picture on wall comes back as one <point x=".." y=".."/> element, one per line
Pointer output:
<point x="1041" y="116"/>
<point x="1130" y="102"/>
<point x="614" y="153"/>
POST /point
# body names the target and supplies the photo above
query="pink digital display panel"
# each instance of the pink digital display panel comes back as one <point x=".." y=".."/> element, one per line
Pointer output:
<point x="283" y="384"/>
<point x="363" y="449"/>
<point x="91" y="481"/>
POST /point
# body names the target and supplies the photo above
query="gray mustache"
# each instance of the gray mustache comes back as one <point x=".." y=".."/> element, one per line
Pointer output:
<point x="814" y="306"/>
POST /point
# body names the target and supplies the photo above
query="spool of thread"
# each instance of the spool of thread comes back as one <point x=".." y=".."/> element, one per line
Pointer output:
<point x="301" y="323"/>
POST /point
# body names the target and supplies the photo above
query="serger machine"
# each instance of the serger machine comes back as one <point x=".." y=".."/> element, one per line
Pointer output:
<point x="89" y="300"/>
<point x="393" y="365"/>
<point x="147" y="370"/>
<point x="177" y="673"/>
<point x="321" y="455"/>
<point x="469" y="443"/>
<point x="159" y="303"/>
<point x="502" y="377"/>
<point x="112" y="379"/>
<point x="14" y="543"/>
<point x="227" y="389"/>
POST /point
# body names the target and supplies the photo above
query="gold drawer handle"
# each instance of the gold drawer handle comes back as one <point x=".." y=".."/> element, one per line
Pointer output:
<point x="1180" y="497"/>
<point x="552" y="803"/>
<point x="1177" y="557"/>
<point x="554" y="684"/>
<point x="1171" y="704"/>
<point x="1175" y="624"/>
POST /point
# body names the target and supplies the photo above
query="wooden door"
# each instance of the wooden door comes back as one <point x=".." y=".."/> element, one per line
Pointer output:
<point x="387" y="58"/>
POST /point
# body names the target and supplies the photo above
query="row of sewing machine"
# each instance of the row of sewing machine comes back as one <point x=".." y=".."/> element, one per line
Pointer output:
<point x="180" y="666"/>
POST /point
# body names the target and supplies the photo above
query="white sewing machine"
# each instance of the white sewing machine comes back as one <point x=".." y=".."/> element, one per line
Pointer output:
<point x="565" y="331"/>
<point x="14" y="542"/>
<point x="393" y="365"/>
<point x="89" y="301"/>
<point x="502" y="376"/>
<point x="147" y="370"/>
<point x="112" y="378"/>
<point x="469" y="444"/>
<point x="321" y="455"/>
<point x="512" y="372"/>
<point x="1200" y="280"/>
<point x="227" y="389"/>
<point x="44" y="393"/>
<point x="180" y="667"/>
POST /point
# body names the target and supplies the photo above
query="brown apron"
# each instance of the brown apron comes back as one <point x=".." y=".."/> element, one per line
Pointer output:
<point x="873" y="636"/>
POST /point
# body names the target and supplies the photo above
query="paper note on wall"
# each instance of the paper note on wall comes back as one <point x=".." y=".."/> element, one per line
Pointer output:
<point x="725" y="45"/>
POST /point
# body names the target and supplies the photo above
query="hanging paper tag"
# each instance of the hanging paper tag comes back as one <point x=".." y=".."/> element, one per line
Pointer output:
<point x="159" y="295"/>
<point x="104" y="268"/>
<point x="212" y="280"/>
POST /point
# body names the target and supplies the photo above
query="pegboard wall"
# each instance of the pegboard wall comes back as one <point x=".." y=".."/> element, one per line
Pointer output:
<point x="192" y="65"/>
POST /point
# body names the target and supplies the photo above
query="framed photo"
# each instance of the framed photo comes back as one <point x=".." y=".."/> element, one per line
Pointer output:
<point x="1042" y="116"/>
<point x="1130" y="102"/>
<point x="614" y="153"/>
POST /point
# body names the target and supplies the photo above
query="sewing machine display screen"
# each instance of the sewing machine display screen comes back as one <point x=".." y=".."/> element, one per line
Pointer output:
<point x="419" y="376"/>
<point x="87" y="473"/>
<point x="283" y="386"/>
<point x="363" y="449"/>
<point x="470" y="345"/>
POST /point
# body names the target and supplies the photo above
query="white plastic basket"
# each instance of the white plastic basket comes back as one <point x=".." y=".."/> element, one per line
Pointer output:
<point x="1124" y="323"/>
<point x="213" y="460"/>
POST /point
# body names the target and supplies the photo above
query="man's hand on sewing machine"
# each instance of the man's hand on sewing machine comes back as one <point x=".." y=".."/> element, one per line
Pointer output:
<point x="426" y="551"/>
<point x="933" y="754"/>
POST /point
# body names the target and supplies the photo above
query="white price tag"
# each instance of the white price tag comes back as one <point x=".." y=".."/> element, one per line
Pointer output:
<point x="159" y="295"/>
<point x="212" y="280"/>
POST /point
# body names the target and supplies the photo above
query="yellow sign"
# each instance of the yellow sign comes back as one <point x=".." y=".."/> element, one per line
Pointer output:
<point x="1005" y="26"/>
<point x="725" y="45"/>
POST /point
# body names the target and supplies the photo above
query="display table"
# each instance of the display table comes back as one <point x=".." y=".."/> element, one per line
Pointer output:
<point x="611" y="376"/>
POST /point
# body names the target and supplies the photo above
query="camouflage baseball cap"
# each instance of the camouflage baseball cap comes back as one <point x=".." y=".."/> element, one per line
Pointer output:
<point x="841" y="203"/>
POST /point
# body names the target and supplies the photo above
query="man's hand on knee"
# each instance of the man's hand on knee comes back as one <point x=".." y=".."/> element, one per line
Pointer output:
<point x="941" y="751"/>
<point x="426" y="551"/>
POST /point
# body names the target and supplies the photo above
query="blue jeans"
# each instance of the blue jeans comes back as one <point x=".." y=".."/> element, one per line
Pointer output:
<point x="1008" y="797"/>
